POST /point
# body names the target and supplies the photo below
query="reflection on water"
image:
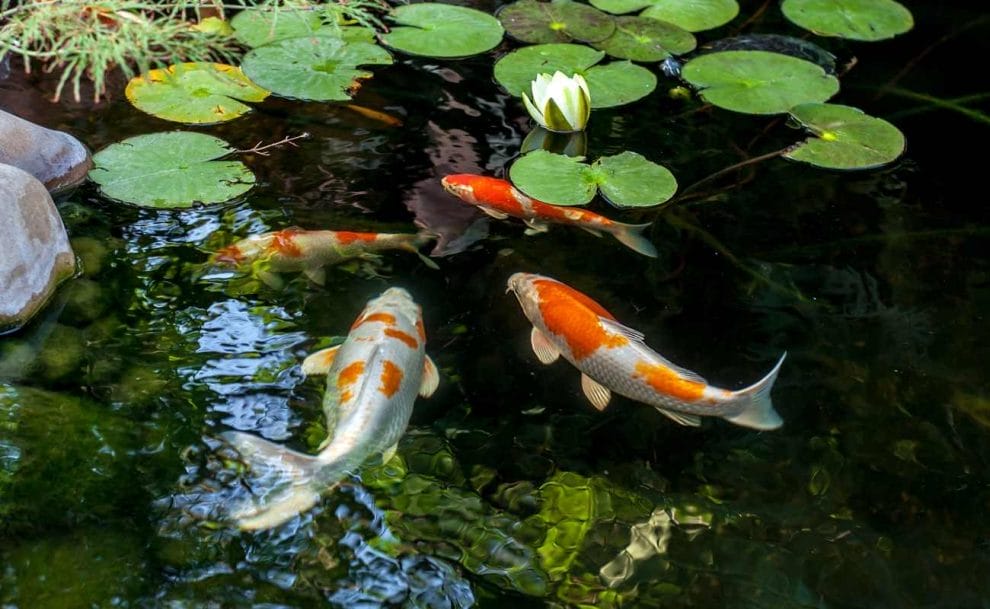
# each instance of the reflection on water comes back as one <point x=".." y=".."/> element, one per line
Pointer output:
<point x="508" y="490"/>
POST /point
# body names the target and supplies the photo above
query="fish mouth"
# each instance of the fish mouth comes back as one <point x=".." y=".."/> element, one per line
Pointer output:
<point x="516" y="282"/>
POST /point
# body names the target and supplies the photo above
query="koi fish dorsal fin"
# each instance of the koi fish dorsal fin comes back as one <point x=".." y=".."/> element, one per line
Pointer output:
<point x="613" y="326"/>
<point x="319" y="362"/>
<point x="545" y="350"/>
<point x="431" y="378"/>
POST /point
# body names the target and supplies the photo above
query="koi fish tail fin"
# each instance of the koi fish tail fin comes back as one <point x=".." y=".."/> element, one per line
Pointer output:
<point x="282" y="482"/>
<point x="631" y="236"/>
<point x="758" y="412"/>
<point x="419" y="240"/>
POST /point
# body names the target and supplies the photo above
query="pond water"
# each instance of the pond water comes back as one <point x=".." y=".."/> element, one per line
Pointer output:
<point x="509" y="490"/>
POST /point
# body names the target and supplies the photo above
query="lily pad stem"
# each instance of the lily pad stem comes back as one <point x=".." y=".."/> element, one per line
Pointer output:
<point x="731" y="168"/>
<point x="261" y="149"/>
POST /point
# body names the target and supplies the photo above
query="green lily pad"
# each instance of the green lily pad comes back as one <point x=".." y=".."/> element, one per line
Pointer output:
<point x="557" y="21"/>
<point x="758" y="82"/>
<point x="610" y="84"/>
<point x="443" y="30"/>
<point x="642" y="39"/>
<point x="173" y="169"/>
<point x="845" y="138"/>
<point x="256" y="28"/>
<point x="625" y="180"/>
<point x="855" y="19"/>
<point x="317" y="68"/>
<point x="694" y="15"/>
<point x="691" y="15"/>
<point x="196" y="93"/>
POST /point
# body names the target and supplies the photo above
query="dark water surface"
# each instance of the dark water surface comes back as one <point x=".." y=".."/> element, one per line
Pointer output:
<point x="510" y="490"/>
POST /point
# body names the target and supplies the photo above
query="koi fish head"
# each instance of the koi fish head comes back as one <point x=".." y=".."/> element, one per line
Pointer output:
<point x="524" y="287"/>
<point x="461" y="185"/>
<point x="397" y="303"/>
<point x="242" y="252"/>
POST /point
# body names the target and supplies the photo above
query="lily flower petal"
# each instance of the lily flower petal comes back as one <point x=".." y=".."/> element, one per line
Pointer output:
<point x="534" y="111"/>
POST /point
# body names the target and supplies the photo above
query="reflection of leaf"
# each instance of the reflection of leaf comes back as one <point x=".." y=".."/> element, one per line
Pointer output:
<point x="168" y="170"/>
<point x="197" y="93"/>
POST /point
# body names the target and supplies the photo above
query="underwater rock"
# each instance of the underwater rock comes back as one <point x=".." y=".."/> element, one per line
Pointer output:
<point x="56" y="158"/>
<point x="34" y="248"/>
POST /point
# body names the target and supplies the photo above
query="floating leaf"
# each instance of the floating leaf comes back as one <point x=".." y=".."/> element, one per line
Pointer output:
<point x="610" y="85"/>
<point x="443" y="30"/>
<point x="626" y="180"/>
<point x="855" y="19"/>
<point x="775" y="43"/>
<point x="630" y="180"/>
<point x="170" y="170"/>
<point x="642" y="39"/>
<point x="256" y="28"/>
<point x="557" y="21"/>
<point x="318" y="68"/>
<point x="845" y="138"/>
<point x="197" y="93"/>
<point x="757" y="82"/>
<point x="694" y="15"/>
<point x="691" y="15"/>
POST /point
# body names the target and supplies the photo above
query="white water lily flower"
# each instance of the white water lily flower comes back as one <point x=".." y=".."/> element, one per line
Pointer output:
<point x="560" y="103"/>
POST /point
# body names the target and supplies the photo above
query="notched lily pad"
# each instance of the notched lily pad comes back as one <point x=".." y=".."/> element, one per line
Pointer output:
<point x="867" y="20"/>
<point x="317" y="68"/>
<point x="693" y="15"/>
<point x="257" y="27"/>
<point x="625" y="180"/>
<point x="442" y="30"/>
<point x="174" y="169"/>
<point x="845" y="138"/>
<point x="610" y="85"/>
<point x="758" y="82"/>
<point x="775" y="43"/>
<point x="195" y="93"/>
<point x="641" y="39"/>
<point x="557" y="21"/>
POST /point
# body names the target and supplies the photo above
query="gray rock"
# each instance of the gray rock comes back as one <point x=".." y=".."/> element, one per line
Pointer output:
<point x="59" y="160"/>
<point x="34" y="248"/>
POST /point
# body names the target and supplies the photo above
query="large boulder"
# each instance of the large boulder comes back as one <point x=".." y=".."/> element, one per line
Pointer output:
<point x="34" y="248"/>
<point x="59" y="160"/>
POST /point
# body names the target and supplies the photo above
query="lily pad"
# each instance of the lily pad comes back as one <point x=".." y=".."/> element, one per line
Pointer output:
<point x="775" y="43"/>
<point x="626" y="180"/>
<point x="256" y="28"/>
<point x="196" y="93"/>
<point x="694" y="15"/>
<point x="173" y="169"/>
<point x="691" y="15"/>
<point x="443" y="30"/>
<point x="557" y="21"/>
<point x="642" y="39"/>
<point x="758" y="82"/>
<point x="845" y="138"/>
<point x="610" y="84"/>
<point x="855" y="19"/>
<point x="317" y="68"/>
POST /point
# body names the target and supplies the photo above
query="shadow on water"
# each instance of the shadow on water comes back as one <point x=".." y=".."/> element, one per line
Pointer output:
<point x="509" y="490"/>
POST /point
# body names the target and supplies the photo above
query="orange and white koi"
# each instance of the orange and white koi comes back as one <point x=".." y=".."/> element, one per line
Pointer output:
<point x="373" y="378"/>
<point x="500" y="199"/>
<point x="310" y="251"/>
<point x="614" y="358"/>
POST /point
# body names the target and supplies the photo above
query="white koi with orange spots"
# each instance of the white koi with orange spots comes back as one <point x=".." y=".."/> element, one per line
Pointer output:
<point x="614" y="358"/>
<point x="310" y="251"/>
<point x="373" y="378"/>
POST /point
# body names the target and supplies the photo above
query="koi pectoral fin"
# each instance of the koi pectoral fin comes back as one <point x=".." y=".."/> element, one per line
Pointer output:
<point x="599" y="395"/>
<point x="545" y="350"/>
<point x="431" y="378"/>
<point x="272" y="280"/>
<point x="498" y="215"/>
<point x="535" y="227"/>
<point x="688" y="420"/>
<point x="317" y="275"/>
<point x="319" y="362"/>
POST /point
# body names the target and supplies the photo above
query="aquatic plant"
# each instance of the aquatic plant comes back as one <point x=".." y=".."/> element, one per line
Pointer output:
<point x="560" y="103"/>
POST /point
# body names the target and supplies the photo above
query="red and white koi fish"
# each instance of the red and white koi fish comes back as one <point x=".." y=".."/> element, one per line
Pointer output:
<point x="310" y="251"/>
<point x="612" y="357"/>
<point x="373" y="378"/>
<point x="500" y="199"/>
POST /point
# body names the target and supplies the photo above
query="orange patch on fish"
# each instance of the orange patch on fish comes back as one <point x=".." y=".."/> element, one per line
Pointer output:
<point x="346" y="238"/>
<point x="420" y="329"/>
<point x="391" y="378"/>
<point x="575" y="318"/>
<point x="350" y="374"/>
<point x="497" y="194"/>
<point x="399" y="334"/>
<point x="667" y="382"/>
<point x="386" y="318"/>
<point x="230" y="255"/>
<point x="345" y="395"/>
<point x="284" y="242"/>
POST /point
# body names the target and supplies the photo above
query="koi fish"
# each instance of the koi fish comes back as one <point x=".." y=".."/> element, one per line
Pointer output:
<point x="500" y="199"/>
<point x="612" y="357"/>
<point x="310" y="251"/>
<point x="373" y="378"/>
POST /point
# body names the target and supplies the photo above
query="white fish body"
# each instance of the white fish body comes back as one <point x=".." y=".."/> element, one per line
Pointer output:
<point x="373" y="378"/>
<point x="614" y="358"/>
